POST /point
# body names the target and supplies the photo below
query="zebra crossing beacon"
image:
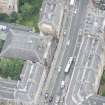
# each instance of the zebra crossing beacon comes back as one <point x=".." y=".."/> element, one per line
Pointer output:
<point x="51" y="17"/>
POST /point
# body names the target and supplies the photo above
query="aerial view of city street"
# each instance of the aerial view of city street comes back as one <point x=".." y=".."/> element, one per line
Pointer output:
<point x="52" y="52"/>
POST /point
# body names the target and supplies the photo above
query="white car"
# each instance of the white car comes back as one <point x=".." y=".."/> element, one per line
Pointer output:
<point x="59" y="69"/>
<point x="57" y="99"/>
<point x="46" y="95"/>
<point x="68" y="43"/>
<point x="75" y="11"/>
<point x="62" y="84"/>
<point x="3" y="27"/>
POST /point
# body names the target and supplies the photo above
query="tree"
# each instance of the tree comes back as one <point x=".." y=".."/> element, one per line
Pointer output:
<point x="26" y="10"/>
<point x="103" y="78"/>
<point x="13" y="17"/>
<point x="4" y="17"/>
<point x="11" y="68"/>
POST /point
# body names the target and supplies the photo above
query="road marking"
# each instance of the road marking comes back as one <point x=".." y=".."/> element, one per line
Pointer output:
<point x="73" y="72"/>
<point x="74" y="100"/>
<point x="25" y="87"/>
<point x="65" y="45"/>
<point x="85" y="49"/>
<point x="83" y="75"/>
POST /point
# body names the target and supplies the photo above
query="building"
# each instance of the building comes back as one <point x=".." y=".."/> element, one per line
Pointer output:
<point x="8" y="6"/>
<point x="29" y="46"/>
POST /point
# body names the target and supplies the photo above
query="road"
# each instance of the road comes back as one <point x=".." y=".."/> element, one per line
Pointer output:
<point x="80" y="85"/>
<point x="67" y="50"/>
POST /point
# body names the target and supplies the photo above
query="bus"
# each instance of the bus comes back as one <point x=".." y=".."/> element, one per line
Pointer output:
<point x="70" y="61"/>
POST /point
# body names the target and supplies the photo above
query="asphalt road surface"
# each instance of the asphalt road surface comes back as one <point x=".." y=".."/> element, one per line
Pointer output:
<point x="68" y="47"/>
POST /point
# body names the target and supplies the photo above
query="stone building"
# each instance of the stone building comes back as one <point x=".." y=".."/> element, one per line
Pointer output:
<point x="8" y="6"/>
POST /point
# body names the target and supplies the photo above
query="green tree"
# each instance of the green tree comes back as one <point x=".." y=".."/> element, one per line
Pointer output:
<point x="13" y="17"/>
<point x="11" y="68"/>
<point x="26" y="10"/>
<point x="103" y="78"/>
<point x="4" y="17"/>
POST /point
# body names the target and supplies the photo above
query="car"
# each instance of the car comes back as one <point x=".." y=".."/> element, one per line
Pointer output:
<point x="59" y="69"/>
<point x="46" y="95"/>
<point x="57" y="99"/>
<point x="68" y="43"/>
<point x="75" y="11"/>
<point x="3" y="28"/>
<point x="62" y="84"/>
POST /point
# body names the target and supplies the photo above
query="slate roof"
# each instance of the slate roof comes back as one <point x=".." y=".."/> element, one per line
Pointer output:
<point x="28" y="46"/>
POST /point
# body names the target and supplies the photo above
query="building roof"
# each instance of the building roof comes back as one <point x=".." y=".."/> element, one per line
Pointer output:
<point x="28" y="46"/>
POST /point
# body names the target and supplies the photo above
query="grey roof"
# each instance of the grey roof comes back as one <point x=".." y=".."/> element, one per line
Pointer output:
<point x="28" y="46"/>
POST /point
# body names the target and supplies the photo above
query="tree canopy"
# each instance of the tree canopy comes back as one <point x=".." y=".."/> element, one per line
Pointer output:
<point x="28" y="14"/>
<point x="11" y="68"/>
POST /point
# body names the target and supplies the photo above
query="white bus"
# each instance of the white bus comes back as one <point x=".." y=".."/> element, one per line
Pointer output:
<point x="68" y="64"/>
